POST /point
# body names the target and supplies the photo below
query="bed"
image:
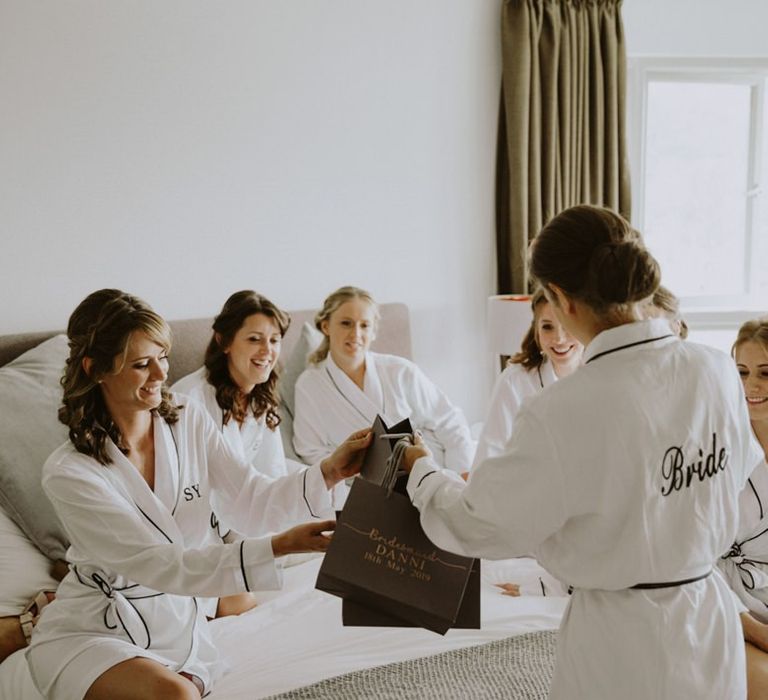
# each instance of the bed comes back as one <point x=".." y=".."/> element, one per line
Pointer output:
<point x="293" y="644"/>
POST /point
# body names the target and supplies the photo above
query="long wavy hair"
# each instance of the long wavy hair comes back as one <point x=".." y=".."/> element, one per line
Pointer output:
<point x="263" y="398"/>
<point x="331" y="304"/>
<point x="100" y="329"/>
<point x="530" y="355"/>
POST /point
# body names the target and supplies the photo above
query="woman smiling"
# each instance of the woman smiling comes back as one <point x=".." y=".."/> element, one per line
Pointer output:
<point x="548" y="353"/>
<point x="133" y="488"/>
<point x="348" y="385"/>
<point x="238" y="382"/>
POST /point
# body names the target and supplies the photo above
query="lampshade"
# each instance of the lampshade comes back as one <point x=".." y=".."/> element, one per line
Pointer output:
<point x="509" y="318"/>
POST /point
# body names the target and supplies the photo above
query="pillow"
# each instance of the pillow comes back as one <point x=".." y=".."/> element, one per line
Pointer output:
<point x="26" y="570"/>
<point x="30" y="396"/>
<point x="309" y="340"/>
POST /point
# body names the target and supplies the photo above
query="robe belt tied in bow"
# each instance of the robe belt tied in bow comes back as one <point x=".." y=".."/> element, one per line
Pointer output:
<point x="120" y="610"/>
<point x="752" y="576"/>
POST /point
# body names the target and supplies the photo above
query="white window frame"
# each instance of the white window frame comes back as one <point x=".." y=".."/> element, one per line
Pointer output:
<point x="714" y="313"/>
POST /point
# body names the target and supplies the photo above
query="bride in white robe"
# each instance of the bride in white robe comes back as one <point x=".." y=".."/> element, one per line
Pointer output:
<point x="623" y="479"/>
<point x="132" y="489"/>
<point x="348" y="385"/>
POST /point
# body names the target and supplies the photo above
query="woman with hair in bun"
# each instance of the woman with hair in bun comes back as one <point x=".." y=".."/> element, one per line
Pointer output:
<point x="347" y="385"/>
<point x="133" y="488"/>
<point x="548" y="353"/>
<point x="623" y="479"/>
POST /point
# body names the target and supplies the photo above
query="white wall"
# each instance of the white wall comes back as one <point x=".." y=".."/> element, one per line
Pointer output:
<point x="696" y="28"/>
<point x="184" y="149"/>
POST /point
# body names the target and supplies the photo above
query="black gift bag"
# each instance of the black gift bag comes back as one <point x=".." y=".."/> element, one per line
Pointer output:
<point x="468" y="618"/>
<point x="374" y="466"/>
<point x="384" y="566"/>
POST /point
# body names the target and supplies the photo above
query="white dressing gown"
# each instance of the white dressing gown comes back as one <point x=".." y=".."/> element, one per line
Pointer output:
<point x="627" y="472"/>
<point x="138" y="557"/>
<point x="254" y="441"/>
<point x="745" y="564"/>
<point x="513" y="385"/>
<point x="329" y="406"/>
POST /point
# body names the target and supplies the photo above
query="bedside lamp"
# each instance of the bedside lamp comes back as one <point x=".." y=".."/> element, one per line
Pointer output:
<point x="509" y="317"/>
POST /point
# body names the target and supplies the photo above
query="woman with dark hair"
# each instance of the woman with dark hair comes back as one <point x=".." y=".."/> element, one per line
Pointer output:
<point x="548" y="353"/>
<point x="133" y="489"/>
<point x="622" y="479"/>
<point x="238" y="382"/>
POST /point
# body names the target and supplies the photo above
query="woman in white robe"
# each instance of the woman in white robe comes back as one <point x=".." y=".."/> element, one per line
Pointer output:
<point x="238" y="382"/>
<point x="132" y="489"/>
<point x="745" y="564"/>
<point x="238" y="387"/>
<point x="348" y="385"/>
<point x="548" y="352"/>
<point x="623" y="479"/>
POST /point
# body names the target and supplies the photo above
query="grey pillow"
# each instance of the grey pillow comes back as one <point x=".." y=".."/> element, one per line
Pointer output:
<point x="309" y="339"/>
<point x="30" y="396"/>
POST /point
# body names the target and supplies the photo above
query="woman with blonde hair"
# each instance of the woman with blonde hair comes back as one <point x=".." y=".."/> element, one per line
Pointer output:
<point x="548" y="352"/>
<point x="745" y="564"/>
<point x="133" y="488"/>
<point x="622" y="479"/>
<point x="348" y="385"/>
<point x="664" y="304"/>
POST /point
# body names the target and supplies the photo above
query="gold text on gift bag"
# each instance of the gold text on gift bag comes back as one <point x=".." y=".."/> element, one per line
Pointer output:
<point x="397" y="556"/>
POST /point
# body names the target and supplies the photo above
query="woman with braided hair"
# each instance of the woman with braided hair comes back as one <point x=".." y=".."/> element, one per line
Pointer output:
<point x="622" y="479"/>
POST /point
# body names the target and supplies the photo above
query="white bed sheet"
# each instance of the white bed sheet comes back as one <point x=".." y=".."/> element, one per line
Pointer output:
<point x="295" y="636"/>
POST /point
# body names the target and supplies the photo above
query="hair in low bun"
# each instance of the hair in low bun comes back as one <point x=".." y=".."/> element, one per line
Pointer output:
<point x="620" y="273"/>
<point x="593" y="254"/>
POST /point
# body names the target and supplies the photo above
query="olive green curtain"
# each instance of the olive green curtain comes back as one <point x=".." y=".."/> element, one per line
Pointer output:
<point x="561" y="121"/>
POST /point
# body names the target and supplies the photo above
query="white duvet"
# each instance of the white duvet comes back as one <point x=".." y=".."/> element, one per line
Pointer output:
<point x="295" y="636"/>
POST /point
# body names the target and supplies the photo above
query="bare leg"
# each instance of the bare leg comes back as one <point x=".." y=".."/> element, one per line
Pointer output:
<point x="757" y="673"/>
<point x="141" y="679"/>
<point x="235" y="604"/>
<point x="11" y="636"/>
<point x="756" y="637"/>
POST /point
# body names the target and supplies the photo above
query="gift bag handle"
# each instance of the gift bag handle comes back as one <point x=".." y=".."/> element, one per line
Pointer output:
<point x="395" y="461"/>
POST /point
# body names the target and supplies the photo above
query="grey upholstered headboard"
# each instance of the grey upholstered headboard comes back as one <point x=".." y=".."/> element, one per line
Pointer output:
<point x="191" y="336"/>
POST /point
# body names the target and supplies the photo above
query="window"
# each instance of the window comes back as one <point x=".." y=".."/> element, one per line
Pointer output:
<point x="698" y="147"/>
